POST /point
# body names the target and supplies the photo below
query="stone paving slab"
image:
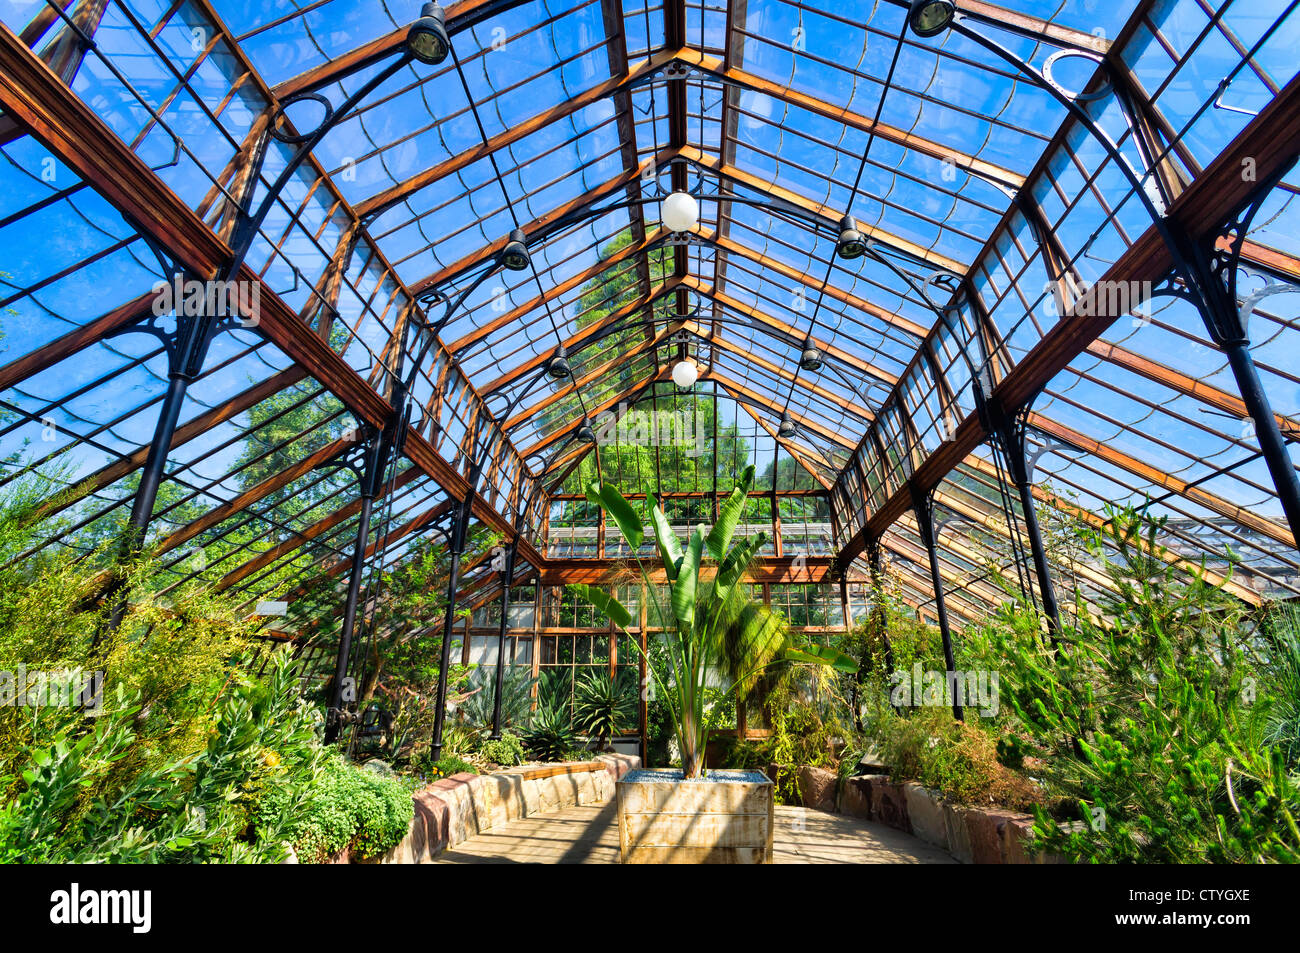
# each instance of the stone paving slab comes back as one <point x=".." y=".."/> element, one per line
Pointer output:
<point x="589" y="835"/>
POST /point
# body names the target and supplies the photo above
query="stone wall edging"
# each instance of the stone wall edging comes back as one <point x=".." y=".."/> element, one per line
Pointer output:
<point x="972" y="835"/>
<point x="454" y="809"/>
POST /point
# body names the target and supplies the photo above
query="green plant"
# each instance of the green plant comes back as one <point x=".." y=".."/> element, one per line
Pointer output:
<point x="550" y="735"/>
<point x="477" y="710"/>
<point x="450" y="764"/>
<point x="957" y="758"/>
<point x="711" y="626"/>
<point x="84" y="799"/>
<point x="346" y="807"/>
<point x="507" y="750"/>
<point x="1280" y="669"/>
<point x="602" y="703"/>
<point x="1144" y="719"/>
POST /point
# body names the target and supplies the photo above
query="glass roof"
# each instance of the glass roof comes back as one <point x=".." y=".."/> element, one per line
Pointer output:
<point x="998" y="171"/>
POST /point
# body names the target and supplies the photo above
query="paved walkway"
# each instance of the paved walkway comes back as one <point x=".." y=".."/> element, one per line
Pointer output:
<point x="589" y="835"/>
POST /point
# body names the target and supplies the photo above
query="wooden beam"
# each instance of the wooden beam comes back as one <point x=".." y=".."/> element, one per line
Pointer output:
<point x="33" y="95"/>
<point x="394" y="194"/>
<point x="460" y="16"/>
<point x="512" y="318"/>
<point x="715" y="67"/>
<point x="830" y="214"/>
<point x="543" y="222"/>
<point x="1268" y="144"/>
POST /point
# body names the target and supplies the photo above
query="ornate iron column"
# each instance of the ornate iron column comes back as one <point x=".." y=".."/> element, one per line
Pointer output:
<point x="1211" y="285"/>
<point x="369" y="462"/>
<point x="507" y="580"/>
<point x="456" y="545"/>
<point x="1008" y="433"/>
<point x="923" y="503"/>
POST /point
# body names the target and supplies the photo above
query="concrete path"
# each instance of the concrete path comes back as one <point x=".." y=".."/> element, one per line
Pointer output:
<point x="589" y="835"/>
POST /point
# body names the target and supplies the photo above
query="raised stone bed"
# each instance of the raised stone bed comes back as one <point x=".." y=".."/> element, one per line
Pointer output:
<point x="973" y="835"/>
<point x="454" y="809"/>
<point x="725" y="817"/>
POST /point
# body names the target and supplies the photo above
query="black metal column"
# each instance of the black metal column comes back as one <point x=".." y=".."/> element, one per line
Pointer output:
<point x="1011" y="436"/>
<point x="1272" y="445"/>
<point x="371" y="478"/>
<point x="880" y="618"/>
<point x="1211" y="271"/>
<point x="924" y="506"/>
<point x="460" y="529"/>
<point x="187" y="348"/>
<point x="507" y="580"/>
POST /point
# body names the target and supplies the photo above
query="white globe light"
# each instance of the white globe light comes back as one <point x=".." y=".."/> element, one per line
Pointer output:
<point x="681" y="213"/>
<point x="685" y="373"/>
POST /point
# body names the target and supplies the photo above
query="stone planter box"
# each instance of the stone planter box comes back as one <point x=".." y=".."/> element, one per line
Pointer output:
<point x="457" y="808"/>
<point x="972" y="835"/>
<point x="723" y="818"/>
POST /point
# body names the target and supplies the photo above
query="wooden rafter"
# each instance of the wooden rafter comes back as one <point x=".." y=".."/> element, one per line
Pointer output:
<point x="33" y="95"/>
<point x="1268" y="143"/>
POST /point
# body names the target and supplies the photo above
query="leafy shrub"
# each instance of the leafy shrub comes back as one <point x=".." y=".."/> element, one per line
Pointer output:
<point x="1147" y="722"/>
<point x="83" y="799"/>
<point x="550" y="737"/>
<point x="509" y="750"/>
<point x="959" y="759"/>
<point x="346" y="807"/>
<point x="603" y="703"/>
<point x="449" y="764"/>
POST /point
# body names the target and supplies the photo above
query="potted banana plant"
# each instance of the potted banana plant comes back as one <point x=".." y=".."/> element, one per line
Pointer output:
<point x="715" y="633"/>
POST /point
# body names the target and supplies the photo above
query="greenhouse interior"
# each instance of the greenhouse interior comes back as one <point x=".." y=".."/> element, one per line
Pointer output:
<point x="649" y="431"/>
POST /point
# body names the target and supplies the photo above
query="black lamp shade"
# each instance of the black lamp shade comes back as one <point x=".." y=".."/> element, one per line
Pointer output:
<point x="558" y="367"/>
<point x="514" y="257"/>
<point x="851" y="243"/>
<point x="930" y="17"/>
<point x="811" y="358"/>
<point x="786" y="430"/>
<point x="585" y="432"/>
<point x="427" y="37"/>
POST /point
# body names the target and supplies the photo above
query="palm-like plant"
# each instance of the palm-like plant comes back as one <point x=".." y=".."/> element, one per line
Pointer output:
<point x="711" y="626"/>
<point x="602" y="703"/>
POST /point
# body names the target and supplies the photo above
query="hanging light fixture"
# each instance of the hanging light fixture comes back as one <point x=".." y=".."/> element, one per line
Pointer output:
<point x="681" y="213"/>
<point x="558" y="366"/>
<point x="787" y="429"/>
<point x="851" y="243"/>
<point x="586" y="433"/>
<point x="811" y="359"/>
<point x="930" y="17"/>
<point x="685" y="373"/>
<point x="514" y="256"/>
<point x="427" y="37"/>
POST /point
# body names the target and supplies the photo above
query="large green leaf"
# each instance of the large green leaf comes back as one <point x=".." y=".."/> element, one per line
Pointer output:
<point x="724" y="529"/>
<point x="620" y="510"/>
<point x="688" y="581"/>
<point x="605" y="602"/>
<point x="738" y="559"/>
<point x="670" y="548"/>
<point x="821" y="655"/>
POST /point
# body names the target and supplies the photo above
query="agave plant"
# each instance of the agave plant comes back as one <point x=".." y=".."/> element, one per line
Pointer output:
<point x="711" y="625"/>
<point x="516" y="697"/>
<point x="550" y="735"/>
<point x="603" y="702"/>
